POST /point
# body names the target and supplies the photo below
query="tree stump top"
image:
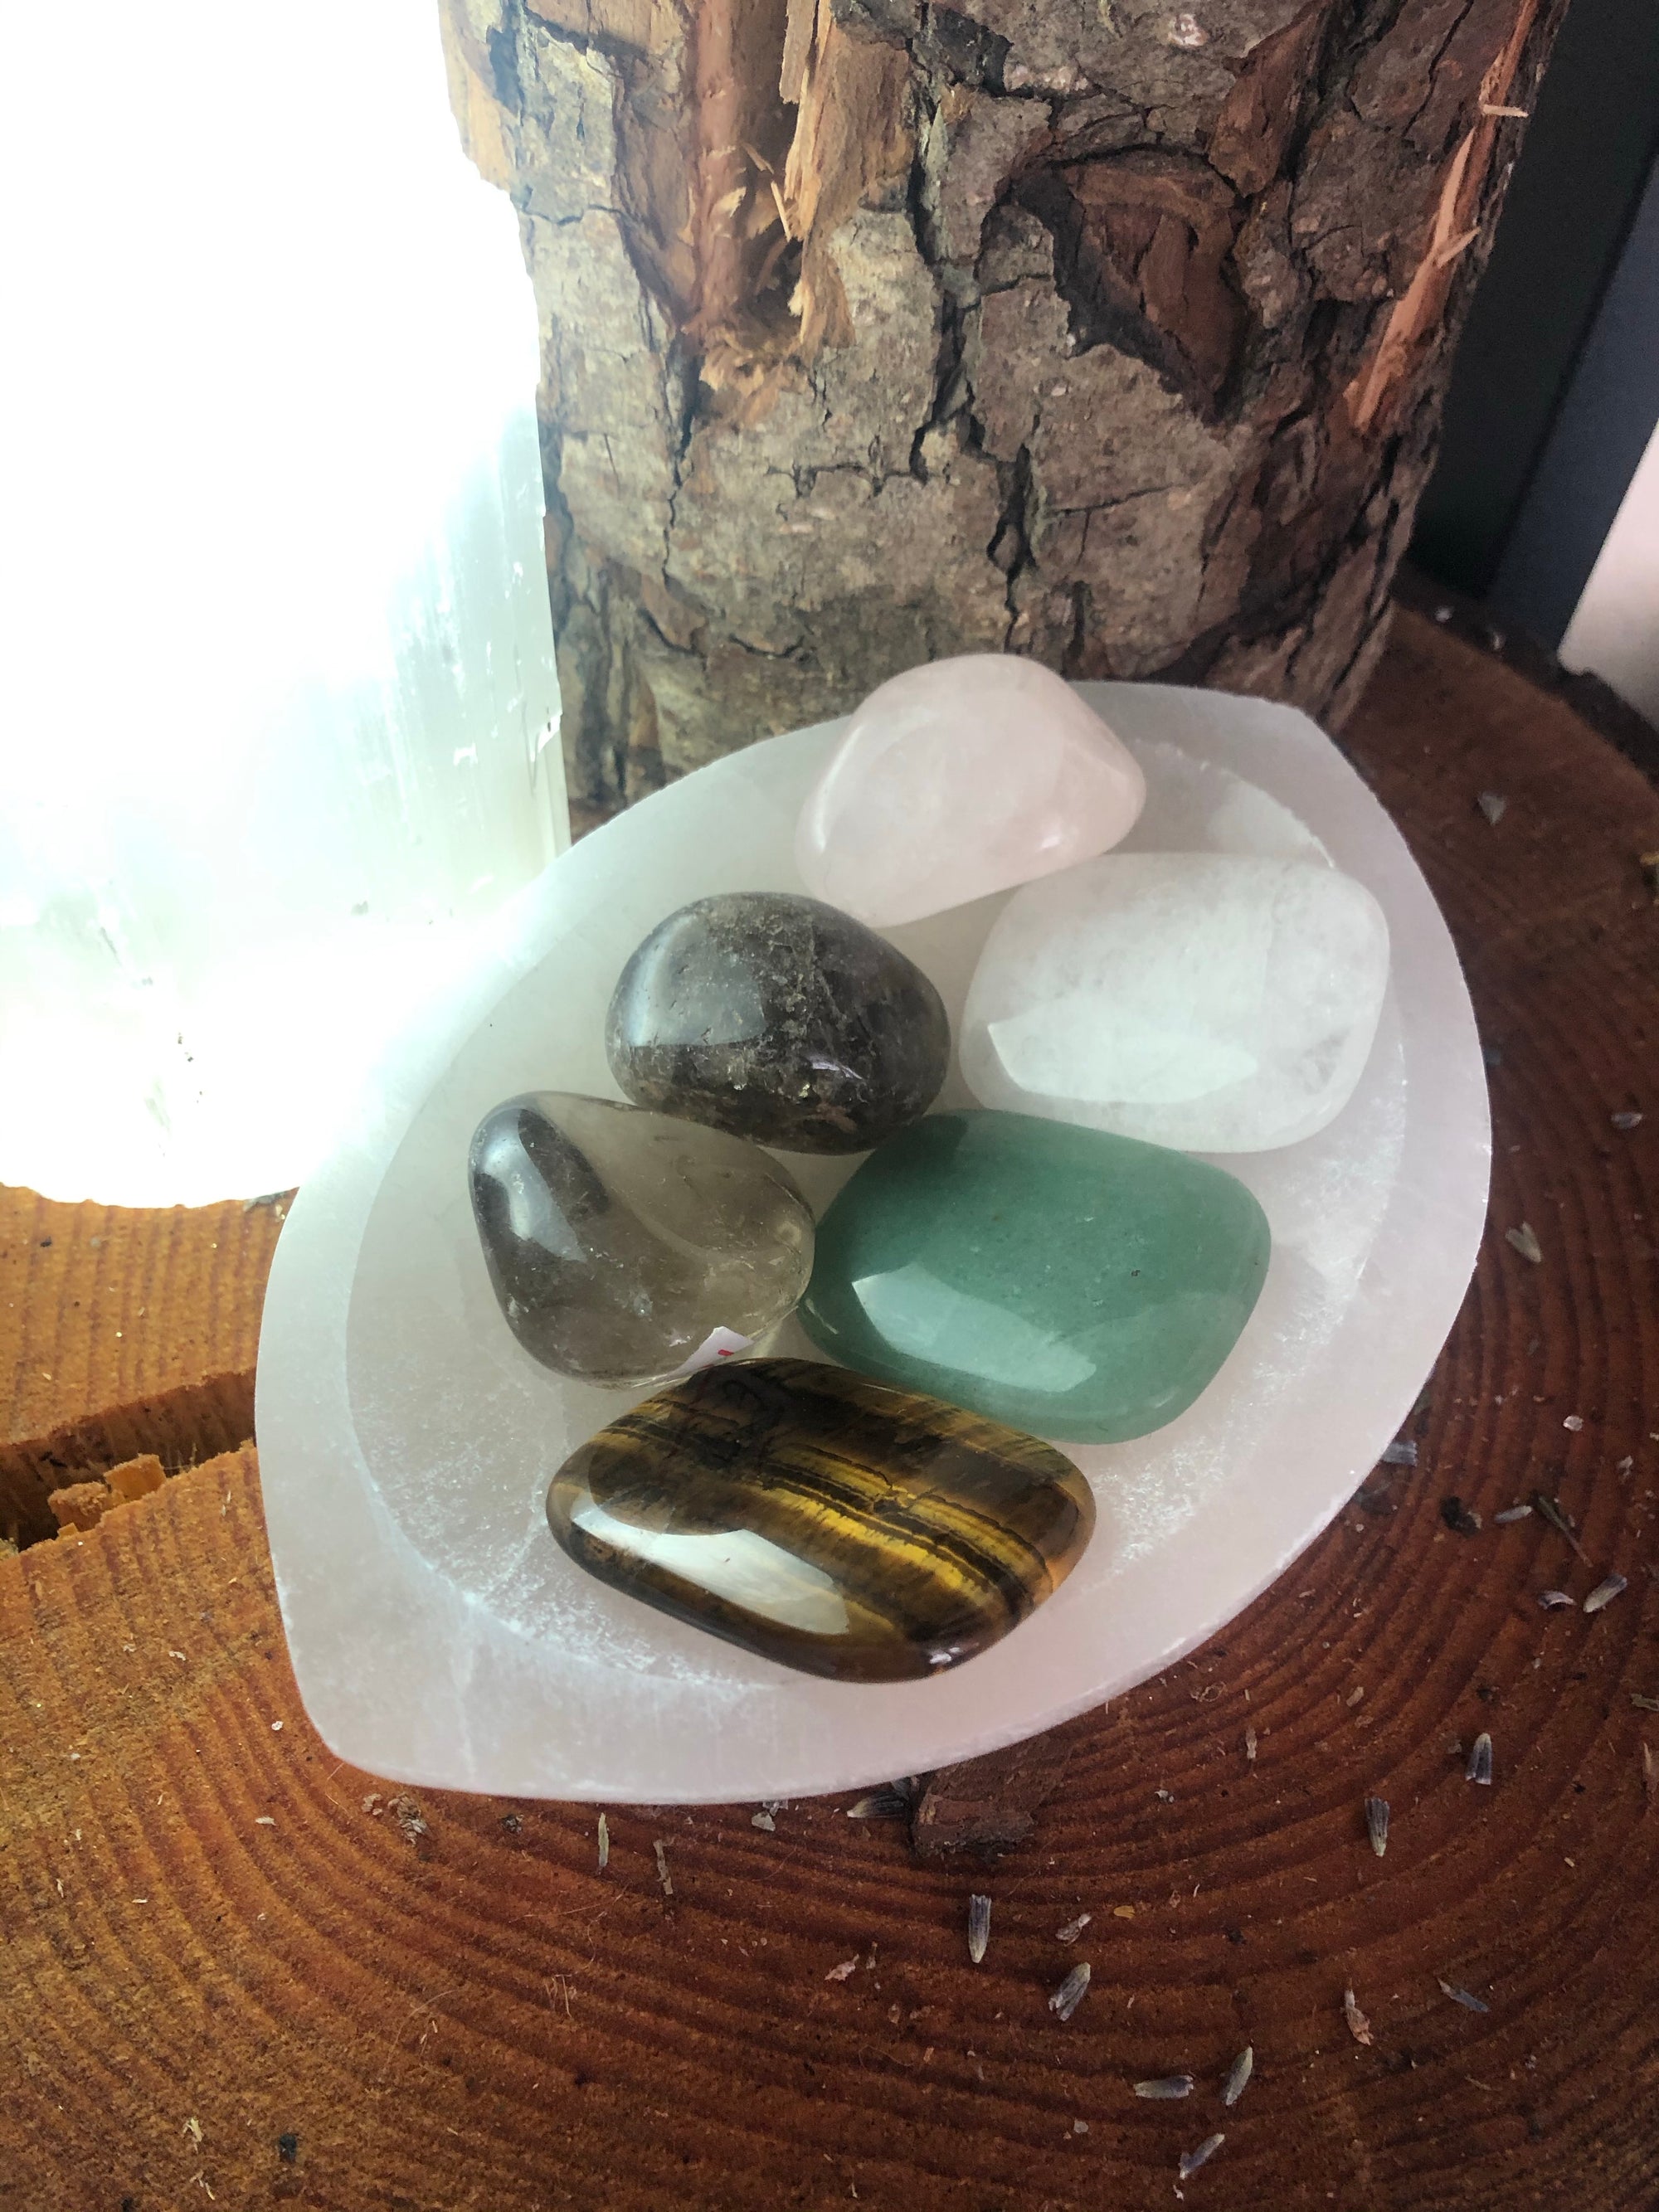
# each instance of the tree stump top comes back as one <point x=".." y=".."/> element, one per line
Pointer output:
<point x="123" y="1330"/>
<point x="236" y="1970"/>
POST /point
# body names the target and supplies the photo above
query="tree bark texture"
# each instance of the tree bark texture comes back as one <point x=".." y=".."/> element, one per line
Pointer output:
<point x="873" y="330"/>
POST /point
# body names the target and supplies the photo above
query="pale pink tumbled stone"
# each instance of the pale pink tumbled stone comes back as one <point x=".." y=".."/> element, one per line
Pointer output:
<point x="959" y="779"/>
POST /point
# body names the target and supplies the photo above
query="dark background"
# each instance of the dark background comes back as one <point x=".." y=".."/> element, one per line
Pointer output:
<point x="1555" y="390"/>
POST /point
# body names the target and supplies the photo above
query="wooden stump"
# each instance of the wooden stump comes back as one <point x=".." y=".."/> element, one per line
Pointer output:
<point x="123" y="1331"/>
<point x="1112" y="331"/>
<point x="237" y="1971"/>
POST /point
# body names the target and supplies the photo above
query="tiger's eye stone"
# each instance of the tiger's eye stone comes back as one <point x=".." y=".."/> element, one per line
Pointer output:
<point x="617" y="1241"/>
<point x="1080" y="1285"/>
<point x="819" y="1519"/>
<point x="780" y="1019"/>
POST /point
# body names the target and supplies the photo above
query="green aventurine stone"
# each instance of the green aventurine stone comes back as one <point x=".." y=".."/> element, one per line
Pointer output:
<point x="817" y="1518"/>
<point x="1075" y="1284"/>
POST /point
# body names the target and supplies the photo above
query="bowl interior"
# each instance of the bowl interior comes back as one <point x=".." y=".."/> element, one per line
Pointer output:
<point x="407" y="1441"/>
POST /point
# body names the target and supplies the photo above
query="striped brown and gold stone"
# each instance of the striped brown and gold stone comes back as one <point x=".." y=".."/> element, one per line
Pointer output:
<point x="815" y="1518"/>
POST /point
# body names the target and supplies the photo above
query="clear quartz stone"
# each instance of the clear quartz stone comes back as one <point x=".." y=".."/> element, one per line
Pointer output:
<point x="1215" y="1002"/>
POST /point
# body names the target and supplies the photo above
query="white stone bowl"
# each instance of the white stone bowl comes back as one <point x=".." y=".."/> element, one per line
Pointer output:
<point x="438" y="1634"/>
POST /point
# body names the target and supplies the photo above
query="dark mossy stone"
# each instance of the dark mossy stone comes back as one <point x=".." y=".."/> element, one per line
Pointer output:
<point x="780" y="1019"/>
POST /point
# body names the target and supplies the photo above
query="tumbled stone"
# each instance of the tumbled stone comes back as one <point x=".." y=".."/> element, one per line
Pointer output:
<point x="960" y="779"/>
<point x="618" y="1241"/>
<point x="1220" y="1002"/>
<point x="778" y="1018"/>
<point x="1075" y="1284"/>
<point x="816" y="1518"/>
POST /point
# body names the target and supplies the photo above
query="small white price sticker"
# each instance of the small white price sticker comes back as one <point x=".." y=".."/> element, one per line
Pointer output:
<point x="719" y="1344"/>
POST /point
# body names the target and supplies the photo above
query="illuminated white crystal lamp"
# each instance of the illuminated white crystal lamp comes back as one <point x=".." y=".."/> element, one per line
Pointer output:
<point x="281" y="714"/>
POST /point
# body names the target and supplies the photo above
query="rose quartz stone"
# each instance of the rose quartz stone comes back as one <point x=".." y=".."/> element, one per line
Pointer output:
<point x="960" y="779"/>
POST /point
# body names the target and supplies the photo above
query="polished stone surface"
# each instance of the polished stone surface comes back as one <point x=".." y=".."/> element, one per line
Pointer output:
<point x="960" y="779"/>
<point x="1075" y="1284"/>
<point x="617" y="1240"/>
<point x="778" y="1018"/>
<point x="1223" y="1002"/>
<point x="816" y="1518"/>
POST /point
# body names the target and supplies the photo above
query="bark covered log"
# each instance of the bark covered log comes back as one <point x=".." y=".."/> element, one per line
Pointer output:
<point x="872" y="330"/>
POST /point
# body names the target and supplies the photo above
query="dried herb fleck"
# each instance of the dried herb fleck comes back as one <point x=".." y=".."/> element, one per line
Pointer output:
<point x="411" y="1826"/>
<point x="1465" y="1997"/>
<point x="1166" y="2087"/>
<point x="1070" y="1994"/>
<point x="1525" y="1241"/>
<point x="1458" y="1517"/>
<point x="1480" y="1763"/>
<point x="1192" y="2160"/>
<point x="1511" y="1513"/>
<point x="1238" y="2077"/>
<point x="979" y="1927"/>
<point x="1402" y="1452"/>
<point x="1557" y="1520"/>
<point x="663" y="1876"/>
<point x="1551" y="1600"/>
<point x="880" y="1805"/>
<point x="1359" y="2026"/>
<point x="1377" y="1823"/>
<point x="1646" y="1705"/>
<point x="1250" y="1746"/>
<point x="1492" y="805"/>
<point x="1604" y="1592"/>
<point x="1628" y="1119"/>
<point x="605" y="1843"/>
<point x="1073" y="1929"/>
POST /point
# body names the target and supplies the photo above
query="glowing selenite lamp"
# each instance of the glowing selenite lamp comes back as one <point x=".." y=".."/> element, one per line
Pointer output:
<point x="282" y="721"/>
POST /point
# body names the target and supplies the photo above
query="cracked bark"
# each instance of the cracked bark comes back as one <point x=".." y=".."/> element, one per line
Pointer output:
<point x="874" y="329"/>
